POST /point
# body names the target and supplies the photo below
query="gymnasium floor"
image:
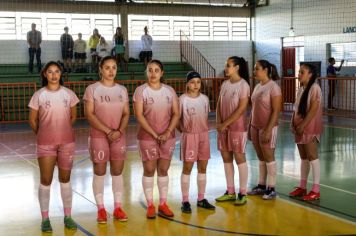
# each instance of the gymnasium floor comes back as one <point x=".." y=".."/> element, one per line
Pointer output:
<point x="334" y="214"/>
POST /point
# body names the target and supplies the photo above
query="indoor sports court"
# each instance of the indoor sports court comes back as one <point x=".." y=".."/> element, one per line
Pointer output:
<point x="186" y="36"/>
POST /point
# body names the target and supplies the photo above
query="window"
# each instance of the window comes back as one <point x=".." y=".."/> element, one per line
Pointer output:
<point x="197" y="28"/>
<point x="346" y="51"/>
<point x="220" y="29"/>
<point x="15" y="25"/>
<point x="7" y="25"/>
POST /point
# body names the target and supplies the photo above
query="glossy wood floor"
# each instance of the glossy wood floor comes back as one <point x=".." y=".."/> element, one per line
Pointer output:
<point x="334" y="214"/>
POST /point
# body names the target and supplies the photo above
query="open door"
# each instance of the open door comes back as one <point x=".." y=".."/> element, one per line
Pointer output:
<point x="288" y="70"/>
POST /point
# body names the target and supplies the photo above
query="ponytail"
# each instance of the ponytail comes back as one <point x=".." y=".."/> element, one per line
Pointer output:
<point x="271" y="69"/>
<point x="243" y="67"/>
<point x="303" y="103"/>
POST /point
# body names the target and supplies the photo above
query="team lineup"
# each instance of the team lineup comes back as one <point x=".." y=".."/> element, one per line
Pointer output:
<point x="159" y="113"/>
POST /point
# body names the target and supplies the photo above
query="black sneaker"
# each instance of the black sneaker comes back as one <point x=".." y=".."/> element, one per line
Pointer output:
<point x="186" y="207"/>
<point x="205" y="204"/>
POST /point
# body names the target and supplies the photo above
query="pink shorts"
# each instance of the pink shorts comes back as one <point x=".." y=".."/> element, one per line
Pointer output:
<point x="256" y="137"/>
<point x="101" y="151"/>
<point x="151" y="150"/>
<point x="194" y="147"/>
<point x="306" y="138"/>
<point x="230" y="141"/>
<point x="63" y="152"/>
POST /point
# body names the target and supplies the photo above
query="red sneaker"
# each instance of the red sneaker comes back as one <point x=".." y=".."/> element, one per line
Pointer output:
<point x="151" y="212"/>
<point x="311" y="196"/>
<point x="119" y="215"/>
<point x="164" y="210"/>
<point x="102" y="217"/>
<point x="298" y="192"/>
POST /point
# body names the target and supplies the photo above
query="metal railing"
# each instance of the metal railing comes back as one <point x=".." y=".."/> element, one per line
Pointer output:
<point x="190" y="54"/>
<point x="338" y="94"/>
<point x="16" y="96"/>
<point x="14" y="101"/>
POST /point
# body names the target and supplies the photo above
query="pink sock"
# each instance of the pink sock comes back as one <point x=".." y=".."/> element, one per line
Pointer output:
<point x="201" y="179"/>
<point x="66" y="193"/>
<point x="243" y="175"/>
<point x="316" y="188"/>
<point x="304" y="172"/>
<point x="229" y="174"/>
<point x="184" y="184"/>
<point x="316" y="175"/>
<point x="271" y="173"/>
<point x="43" y="198"/>
<point x="147" y="184"/>
<point x="44" y="214"/>
<point x="117" y="189"/>
<point x="162" y="182"/>
<point x="262" y="173"/>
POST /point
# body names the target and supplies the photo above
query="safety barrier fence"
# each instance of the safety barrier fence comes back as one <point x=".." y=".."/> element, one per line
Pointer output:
<point x="341" y="91"/>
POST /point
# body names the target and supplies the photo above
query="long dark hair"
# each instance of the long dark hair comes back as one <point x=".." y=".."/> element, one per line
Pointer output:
<point x="44" y="80"/>
<point x="160" y="65"/>
<point x="243" y="67"/>
<point x="271" y="69"/>
<point x="303" y="103"/>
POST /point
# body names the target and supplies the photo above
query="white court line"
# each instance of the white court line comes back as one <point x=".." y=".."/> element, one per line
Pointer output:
<point x="290" y="202"/>
<point x="318" y="211"/>
<point x="36" y="166"/>
<point x="324" y="185"/>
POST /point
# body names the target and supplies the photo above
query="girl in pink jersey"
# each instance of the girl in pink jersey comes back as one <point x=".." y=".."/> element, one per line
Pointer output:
<point x="157" y="112"/>
<point x="307" y="126"/>
<point x="107" y="110"/>
<point x="52" y="113"/>
<point x="266" y="105"/>
<point x="232" y="127"/>
<point x="195" y="146"/>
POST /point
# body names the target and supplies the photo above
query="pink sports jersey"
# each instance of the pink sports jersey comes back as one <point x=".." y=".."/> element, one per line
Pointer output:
<point x="109" y="103"/>
<point x="230" y="95"/>
<point x="262" y="103"/>
<point x="194" y="113"/>
<point x="54" y="114"/>
<point x="157" y="108"/>
<point x="315" y="126"/>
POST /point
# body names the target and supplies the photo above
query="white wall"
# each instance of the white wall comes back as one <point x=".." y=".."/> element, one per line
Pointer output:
<point x="319" y="21"/>
<point x="216" y="52"/>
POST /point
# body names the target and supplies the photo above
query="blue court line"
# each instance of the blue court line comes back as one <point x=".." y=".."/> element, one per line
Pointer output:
<point x="206" y="228"/>
<point x="86" y="232"/>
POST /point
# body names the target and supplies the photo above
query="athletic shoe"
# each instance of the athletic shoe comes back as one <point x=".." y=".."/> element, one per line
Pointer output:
<point x="298" y="192"/>
<point x="119" y="215"/>
<point x="257" y="190"/>
<point x="269" y="194"/>
<point x="164" y="210"/>
<point x="46" y="226"/>
<point x="151" y="212"/>
<point x="311" y="196"/>
<point x="241" y="200"/>
<point x="226" y="197"/>
<point x="102" y="217"/>
<point x="186" y="207"/>
<point x="69" y="223"/>
<point x="205" y="204"/>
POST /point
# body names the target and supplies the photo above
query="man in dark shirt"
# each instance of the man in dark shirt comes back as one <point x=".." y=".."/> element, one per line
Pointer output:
<point x="34" y="40"/>
<point x="67" y="44"/>
<point x="331" y="73"/>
